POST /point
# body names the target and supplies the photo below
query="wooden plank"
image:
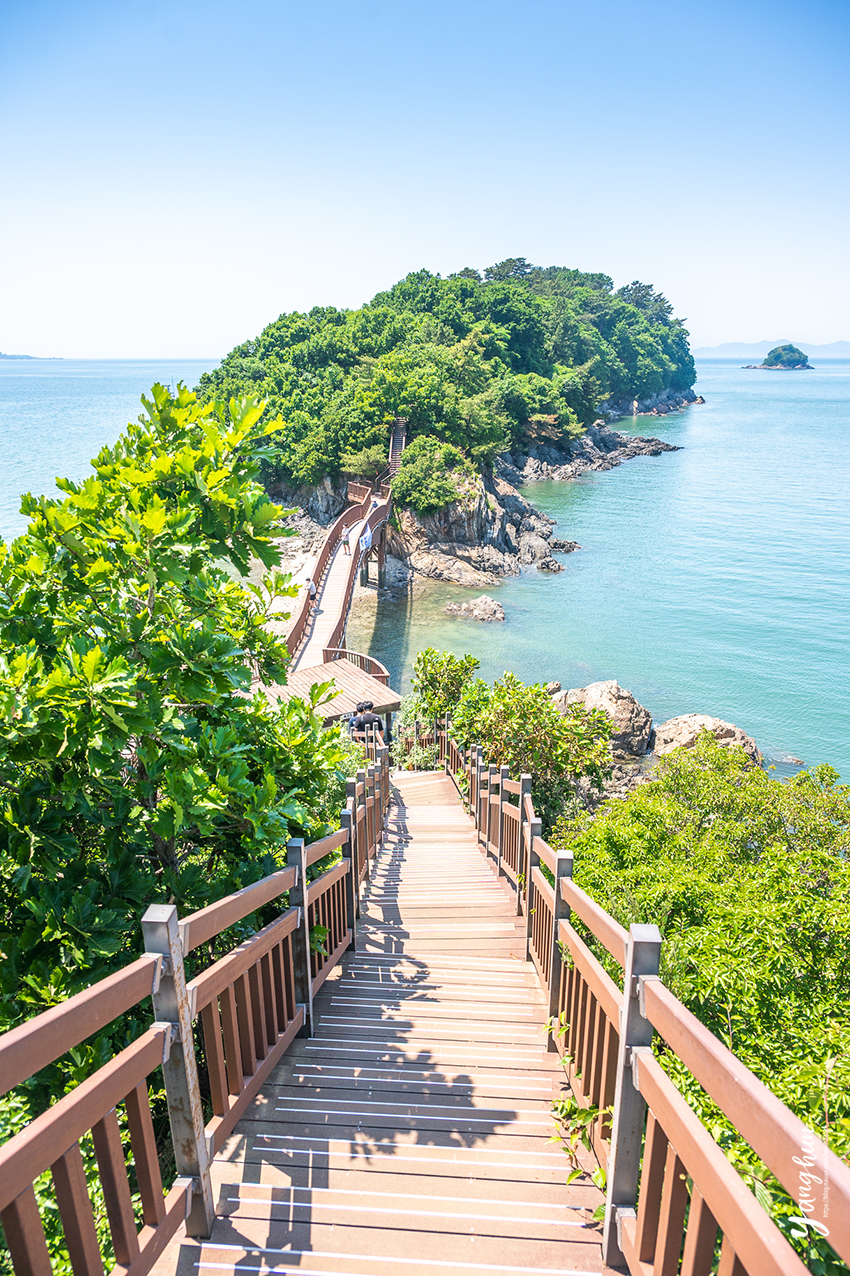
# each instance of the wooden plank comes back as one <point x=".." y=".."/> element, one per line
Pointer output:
<point x="106" y="1137"/>
<point x="207" y="922"/>
<point x="75" y="1210"/>
<point x="24" y="1233"/>
<point x="31" y="1046"/>
<point x="30" y="1152"/>
<point x="754" y="1237"/>
<point x="145" y="1158"/>
<point x="771" y="1129"/>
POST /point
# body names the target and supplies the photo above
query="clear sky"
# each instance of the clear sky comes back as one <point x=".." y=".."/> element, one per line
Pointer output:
<point x="175" y="175"/>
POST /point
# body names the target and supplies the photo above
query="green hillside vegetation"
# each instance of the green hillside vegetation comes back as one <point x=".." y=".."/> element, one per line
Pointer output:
<point x="786" y="357"/>
<point x="467" y="359"/>
<point x="748" y="879"/>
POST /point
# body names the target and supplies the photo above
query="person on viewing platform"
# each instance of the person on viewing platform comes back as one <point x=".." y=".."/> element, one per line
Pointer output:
<point x="368" y="720"/>
<point x="311" y="589"/>
<point x="346" y="541"/>
<point x="352" y="721"/>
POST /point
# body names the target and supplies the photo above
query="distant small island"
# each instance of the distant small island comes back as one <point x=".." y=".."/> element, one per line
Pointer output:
<point x="28" y="356"/>
<point x="787" y="358"/>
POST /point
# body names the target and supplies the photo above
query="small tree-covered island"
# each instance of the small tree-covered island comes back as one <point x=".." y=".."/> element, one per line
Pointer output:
<point x="784" y="358"/>
<point x="155" y="750"/>
<point x="502" y="376"/>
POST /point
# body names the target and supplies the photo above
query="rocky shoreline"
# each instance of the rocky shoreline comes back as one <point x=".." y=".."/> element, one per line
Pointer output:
<point x="636" y="743"/>
<point x="492" y="531"/>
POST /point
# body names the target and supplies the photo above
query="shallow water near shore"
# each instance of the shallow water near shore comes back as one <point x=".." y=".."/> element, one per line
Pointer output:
<point x="714" y="580"/>
<point x="711" y="580"/>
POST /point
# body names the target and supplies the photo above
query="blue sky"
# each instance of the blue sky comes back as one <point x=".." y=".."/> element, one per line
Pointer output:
<point x="176" y="175"/>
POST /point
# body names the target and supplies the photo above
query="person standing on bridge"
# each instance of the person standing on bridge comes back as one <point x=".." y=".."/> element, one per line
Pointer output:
<point x="346" y="541"/>
<point x="311" y="589"/>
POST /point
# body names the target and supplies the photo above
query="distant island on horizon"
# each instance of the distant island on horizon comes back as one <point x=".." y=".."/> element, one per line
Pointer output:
<point x="29" y="356"/>
<point x="736" y="349"/>
<point x="784" y="358"/>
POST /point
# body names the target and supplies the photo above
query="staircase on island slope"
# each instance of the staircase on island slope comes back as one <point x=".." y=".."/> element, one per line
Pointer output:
<point x="411" y="1133"/>
<point x="397" y="445"/>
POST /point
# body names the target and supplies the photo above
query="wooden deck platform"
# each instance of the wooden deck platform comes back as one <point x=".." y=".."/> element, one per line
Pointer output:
<point x="411" y="1133"/>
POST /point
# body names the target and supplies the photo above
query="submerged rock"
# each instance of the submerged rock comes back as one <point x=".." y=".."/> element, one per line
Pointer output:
<point x="484" y="608"/>
<point x="683" y="732"/>
<point x="631" y="723"/>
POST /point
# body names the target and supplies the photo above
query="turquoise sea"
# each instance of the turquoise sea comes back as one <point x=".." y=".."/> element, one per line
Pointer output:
<point x="55" y="414"/>
<point x="715" y="579"/>
<point x="711" y="580"/>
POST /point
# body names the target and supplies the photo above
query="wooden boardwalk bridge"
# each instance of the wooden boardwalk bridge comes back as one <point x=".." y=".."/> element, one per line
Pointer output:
<point x="411" y="1132"/>
<point x="363" y="1085"/>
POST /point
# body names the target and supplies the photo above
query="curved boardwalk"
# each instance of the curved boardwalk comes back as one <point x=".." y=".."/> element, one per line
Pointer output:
<point x="330" y="601"/>
<point x="411" y="1133"/>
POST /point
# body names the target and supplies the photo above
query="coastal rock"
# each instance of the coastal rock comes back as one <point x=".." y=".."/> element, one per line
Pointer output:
<point x="684" y="731"/>
<point x="599" y="449"/>
<point x="490" y="532"/>
<point x="485" y="609"/>
<point x="631" y="723"/>
<point x="552" y="688"/>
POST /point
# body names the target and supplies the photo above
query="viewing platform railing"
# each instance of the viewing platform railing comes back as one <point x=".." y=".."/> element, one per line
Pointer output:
<point x="674" y="1201"/>
<point x="239" y="1015"/>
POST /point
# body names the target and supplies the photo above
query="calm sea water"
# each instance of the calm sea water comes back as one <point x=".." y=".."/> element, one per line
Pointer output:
<point x="715" y="579"/>
<point x="711" y="580"/>
<point x="55" y="414"/>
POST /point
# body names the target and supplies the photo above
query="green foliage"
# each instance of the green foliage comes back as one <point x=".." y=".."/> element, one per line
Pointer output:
<point x="136" y="762"/>
<point x="431" y="475"/>
<point x="467" y="360"/>
<point x="786" y="357"/>
<point x="439" y="681"/>
<point x="748" y="878"/>
<point x="519" y="727"/>
<point x="367" y="463"/>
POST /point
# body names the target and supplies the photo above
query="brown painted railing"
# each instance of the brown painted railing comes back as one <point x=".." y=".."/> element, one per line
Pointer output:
<point x="672" y="1196"/>
<point x="367" y="663"/>
<point x="251" y="1004"/>
<point x="348" y="518"/>
<point x="378" y="515"/>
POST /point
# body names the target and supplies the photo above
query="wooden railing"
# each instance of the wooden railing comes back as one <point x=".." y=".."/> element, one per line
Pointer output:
<point x="348" y="518"/>
<point x="377" y="516"/>
<point x="367" y="663"/>
<point x="674" y="1202"/>
<point x="250" y="1003"/>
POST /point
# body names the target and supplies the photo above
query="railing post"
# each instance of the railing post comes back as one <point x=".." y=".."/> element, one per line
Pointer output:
<point x="492" y="772"/>
<point x="535" y="829"/>
<point x="296" y="858"/>
<point x="563" y="868"/>
<point x="523" y="867"/>
<point x="180" y="1069"/>
<point x="363" y="843"/>
<point x="351" y="806"/>
<point x="642" y="958"/>
<point x="503" y="775"/>
<point x="352" y="893"/>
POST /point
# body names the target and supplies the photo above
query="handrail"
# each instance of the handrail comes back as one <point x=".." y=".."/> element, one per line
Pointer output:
<point x="368" y="664"/>
<point x="348" y="517"/>
<point x="378" y="515"/>
<point x="245" y="1009"/>
<point x="603" y="1029"/>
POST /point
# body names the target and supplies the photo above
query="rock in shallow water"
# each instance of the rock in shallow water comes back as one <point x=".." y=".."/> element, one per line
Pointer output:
<point x="483" y="608"/>
<point x="683" y="732"/>
<point x="631" y="723"/>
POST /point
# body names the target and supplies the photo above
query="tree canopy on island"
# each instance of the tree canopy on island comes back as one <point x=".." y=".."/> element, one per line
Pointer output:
<point x="467" y="359"/>
<point x="786" y="357"/>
